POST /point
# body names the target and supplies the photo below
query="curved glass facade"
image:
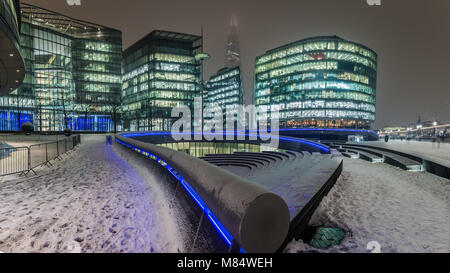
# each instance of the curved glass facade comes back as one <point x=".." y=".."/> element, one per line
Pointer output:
<point x="72" y="75"/>
<point x="10" y="15"/>
<point x="318" y="82"/>
<point x="11" y="62"/>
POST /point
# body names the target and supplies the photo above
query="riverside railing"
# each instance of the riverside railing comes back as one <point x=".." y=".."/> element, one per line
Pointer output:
<point x="23" y="160"/>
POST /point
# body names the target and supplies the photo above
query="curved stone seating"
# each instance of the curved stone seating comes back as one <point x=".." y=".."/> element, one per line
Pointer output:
<point x="364" y="155"/>
<point x="301" y="182"/>
<point x="349" y="153"/>
<point x="294" y="154"/>
<point x="389" y="158"/>
<point x="274" y="158"/>
<point x="230" y="161"/>
<point x="300" y="178"/>
<point x="285" y="155"/>
<point x="428" y="164"/>
<point x="263" y="161"/>
<point x="247" y="167"/>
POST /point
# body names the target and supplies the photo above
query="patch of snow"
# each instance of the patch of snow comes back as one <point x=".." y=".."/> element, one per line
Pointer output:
<point x="402" y="211"/>
<point x="435" y="152"/>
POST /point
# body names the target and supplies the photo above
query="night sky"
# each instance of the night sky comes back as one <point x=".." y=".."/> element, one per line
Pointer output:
<point x="411" y="37"/>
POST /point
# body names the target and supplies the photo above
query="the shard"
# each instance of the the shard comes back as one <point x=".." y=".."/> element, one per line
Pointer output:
<point x="233" y="53"/>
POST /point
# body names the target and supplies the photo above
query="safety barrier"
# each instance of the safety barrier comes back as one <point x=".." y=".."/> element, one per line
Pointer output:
<point x="22" y="160"/>
<point x="14" y="160"/>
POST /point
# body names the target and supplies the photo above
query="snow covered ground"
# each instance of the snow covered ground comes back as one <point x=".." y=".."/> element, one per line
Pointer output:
<point x="91" y="201"/>
<point x="439" y="154"/>
<point x="100" y="198"/>
<point x="402" y="211"/>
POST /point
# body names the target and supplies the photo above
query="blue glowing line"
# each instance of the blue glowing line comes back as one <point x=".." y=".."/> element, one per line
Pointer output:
<point x="193" y="194"/>
<point x="220" y="228"/>
<point x="306" y="142"/>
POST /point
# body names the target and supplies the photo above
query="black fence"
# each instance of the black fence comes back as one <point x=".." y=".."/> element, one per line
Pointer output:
<point x="23" y="160"/>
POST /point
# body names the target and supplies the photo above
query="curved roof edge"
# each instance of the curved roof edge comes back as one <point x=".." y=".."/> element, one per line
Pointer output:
<point x="315" y="38"/>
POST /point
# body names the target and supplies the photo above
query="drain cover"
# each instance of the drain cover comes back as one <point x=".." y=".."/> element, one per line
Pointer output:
<point x="325" y="237"/>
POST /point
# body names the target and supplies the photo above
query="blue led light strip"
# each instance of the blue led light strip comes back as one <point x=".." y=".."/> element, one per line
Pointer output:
<point x="228" y="238"/>
<point x="306" y="142"/>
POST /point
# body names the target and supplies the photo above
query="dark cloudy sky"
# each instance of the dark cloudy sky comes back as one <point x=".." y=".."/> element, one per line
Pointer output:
<point x="411" y="37"/>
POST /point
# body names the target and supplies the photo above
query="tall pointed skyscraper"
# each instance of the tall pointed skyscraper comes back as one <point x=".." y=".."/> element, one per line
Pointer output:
<point x="224" y="89"/>
<point x="233" y="54"/>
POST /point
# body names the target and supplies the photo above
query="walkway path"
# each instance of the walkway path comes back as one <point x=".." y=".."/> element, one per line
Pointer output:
<point x="92" y="201"/>
<point x="439" y="154"/>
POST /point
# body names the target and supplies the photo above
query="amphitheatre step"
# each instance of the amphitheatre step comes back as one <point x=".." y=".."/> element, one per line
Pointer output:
<point x="390" y="158"/>
<point x="365" y="155"/>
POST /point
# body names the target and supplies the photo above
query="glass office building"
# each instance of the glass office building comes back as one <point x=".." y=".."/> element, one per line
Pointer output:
<point x="225" y="88"/>
<point x="159" y="72"/>
<point x="12" y="70"/>
<point x="318" y="82"/>
<point x="72" y="74"/>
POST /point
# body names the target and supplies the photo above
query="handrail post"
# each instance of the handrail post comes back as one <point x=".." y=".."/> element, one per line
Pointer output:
<point x="29" y="158"/>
